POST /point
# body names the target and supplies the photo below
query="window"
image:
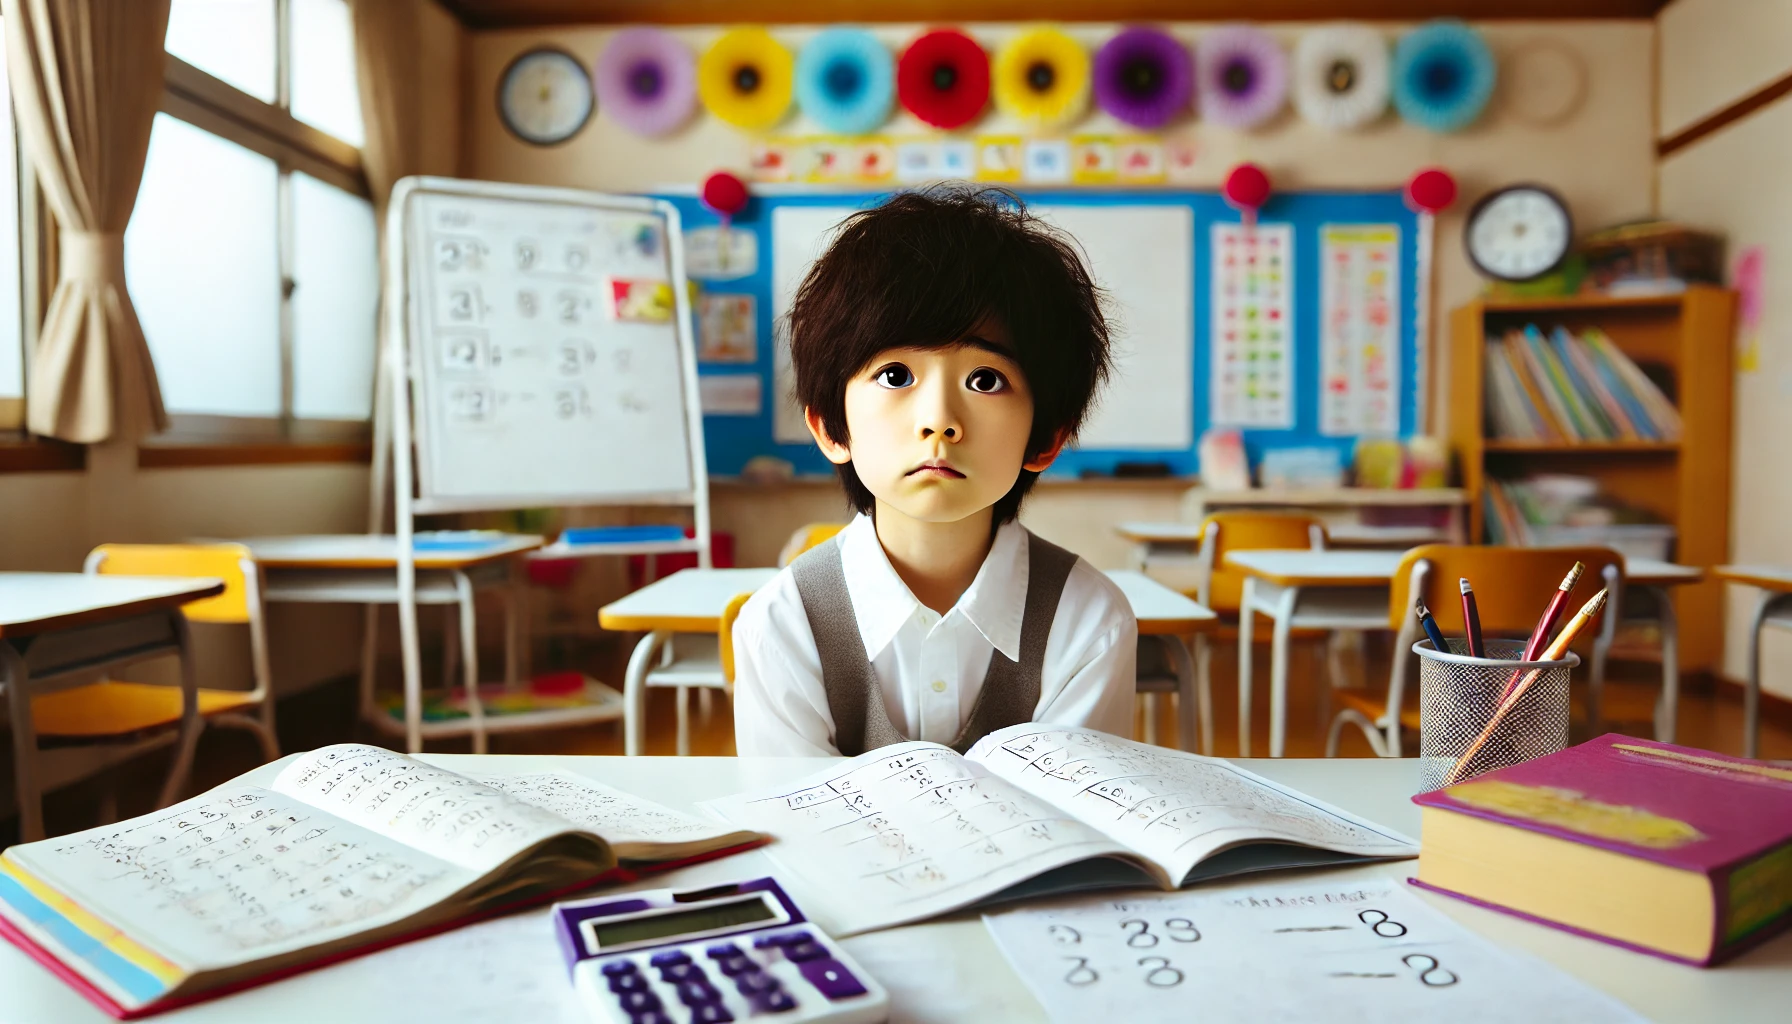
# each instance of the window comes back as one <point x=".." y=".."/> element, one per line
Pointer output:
<point x="251" y="253"/>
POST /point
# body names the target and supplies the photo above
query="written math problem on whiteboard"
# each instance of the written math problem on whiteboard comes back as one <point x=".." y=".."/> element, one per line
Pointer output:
<point x="1362" y="949"/>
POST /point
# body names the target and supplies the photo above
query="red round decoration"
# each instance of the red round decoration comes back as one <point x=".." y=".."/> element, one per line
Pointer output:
<point x="1431" y="190"/>
<point x="943" y="78"/>
<point x="724" y="193"/>
<point x="1247" y="187"/>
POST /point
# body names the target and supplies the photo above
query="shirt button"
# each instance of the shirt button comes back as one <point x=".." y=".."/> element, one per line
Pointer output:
<point x="939" y="686"/>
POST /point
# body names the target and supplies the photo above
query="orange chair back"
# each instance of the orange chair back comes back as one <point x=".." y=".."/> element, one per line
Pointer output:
<point x="223" y="561"/>
<point x="1248" y="531"/>
<point x="725" y="638"/>
<point x="805" y="538"/>
<point x="1512" y="585"/>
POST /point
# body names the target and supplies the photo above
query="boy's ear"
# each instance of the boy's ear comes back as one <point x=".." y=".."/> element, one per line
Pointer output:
<point x="837" y="453"/>
<point x="1038" y="463"/>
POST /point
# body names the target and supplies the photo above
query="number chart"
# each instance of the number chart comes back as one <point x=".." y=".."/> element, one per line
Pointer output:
<point x="550" y="361"/>
<point x="1357" y="949"/>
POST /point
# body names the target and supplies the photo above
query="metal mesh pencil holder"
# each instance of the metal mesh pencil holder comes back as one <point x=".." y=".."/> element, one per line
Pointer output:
<point x="1460" y="697"/>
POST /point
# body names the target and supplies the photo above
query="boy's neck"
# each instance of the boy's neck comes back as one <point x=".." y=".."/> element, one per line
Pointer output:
<point x="938" y="561"/>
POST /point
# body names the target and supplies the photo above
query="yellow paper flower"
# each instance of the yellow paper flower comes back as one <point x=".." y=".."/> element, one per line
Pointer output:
<point x="1042" y="78"/>
<point x="745" y="78"/>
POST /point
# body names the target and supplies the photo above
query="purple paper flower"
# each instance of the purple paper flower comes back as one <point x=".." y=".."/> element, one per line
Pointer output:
<point x="646" y="80"/>
<point x="1143" y="77"/>
<point x="1243" y="76"/>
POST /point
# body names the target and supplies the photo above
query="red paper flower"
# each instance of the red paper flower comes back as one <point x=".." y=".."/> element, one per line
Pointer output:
<point x="943" y="78"/>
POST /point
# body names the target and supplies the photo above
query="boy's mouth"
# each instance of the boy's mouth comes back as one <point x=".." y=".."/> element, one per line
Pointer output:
<point x="936" y="467"/>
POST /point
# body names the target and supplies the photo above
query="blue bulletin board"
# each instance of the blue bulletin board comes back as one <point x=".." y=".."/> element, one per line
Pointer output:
<point x="733" y="439"/>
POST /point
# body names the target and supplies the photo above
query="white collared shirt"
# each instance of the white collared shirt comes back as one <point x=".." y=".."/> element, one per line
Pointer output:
<point x="930" y="666"/>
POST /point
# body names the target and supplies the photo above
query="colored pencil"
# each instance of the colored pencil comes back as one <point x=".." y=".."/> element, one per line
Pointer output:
<point x="1554" y="652"/>
<point x="1438" y="643"/>
<point x="1471" y="621"/>
<point x="1540" y="636"/>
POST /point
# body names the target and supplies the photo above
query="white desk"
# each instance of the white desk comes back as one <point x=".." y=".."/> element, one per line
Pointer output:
<point x="948" y="970"/>
<point x="1774" y="607"/>
<point x="69" y="627"/>
<point x="1175" y="620"/>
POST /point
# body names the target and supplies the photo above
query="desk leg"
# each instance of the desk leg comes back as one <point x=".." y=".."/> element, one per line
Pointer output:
<point x="1204" y="689"/>
<point x="469" y="656"/>
<point x="17" y="679"/>
<point x="684" y="721"/>
<point x="370" y="652"/>
<point x="634" y="690"/>
<point x="1751" y="699"/>
<point x="1667" y="710"/>
<point x="1246" y="617"/>
<point x="1278" y="672"/>
<point x="1187" y="693"/>
<point x="190" y="722"/>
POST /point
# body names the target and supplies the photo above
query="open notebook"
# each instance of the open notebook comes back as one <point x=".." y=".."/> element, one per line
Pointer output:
<point x="344" y="850"/>
<point x="914" y="830"/>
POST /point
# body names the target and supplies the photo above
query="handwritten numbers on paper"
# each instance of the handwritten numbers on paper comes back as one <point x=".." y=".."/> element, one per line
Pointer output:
<point x="1181" y="929"/>
<point x="454" y="254"/>
<point x="527" y="304"/>
<point x="1141" y="939"/>
<point x="1081" y="974"/>
<point x="571" y="306"/>
<point x="1160" y="973"/>
<point x="1431" y="973"/>
<point x="1065" y="935"/>
<point x="1381" y="924"/>
<point x="577" y="258"/>
<point x="528" y="254"/>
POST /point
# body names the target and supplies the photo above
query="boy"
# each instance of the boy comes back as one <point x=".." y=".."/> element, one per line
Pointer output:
<point x="947" y="346"/>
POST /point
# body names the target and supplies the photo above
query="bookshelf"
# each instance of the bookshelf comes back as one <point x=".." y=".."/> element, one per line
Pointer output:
<point x="1684" y="343"/>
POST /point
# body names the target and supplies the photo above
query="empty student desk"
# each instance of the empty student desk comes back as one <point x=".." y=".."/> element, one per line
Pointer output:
<point x="362" y="569"/>
<point x="1775" y="606"/>
<point x="1656" y="578"/>
<point x="1171" y="545"/>
<point x="66" y="628"/>
<point x="1176" y="620"/>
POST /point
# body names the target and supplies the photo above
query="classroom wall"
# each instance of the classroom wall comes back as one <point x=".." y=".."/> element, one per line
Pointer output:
<point x="1599" y="157"/>
<point x="1715" y="52"/>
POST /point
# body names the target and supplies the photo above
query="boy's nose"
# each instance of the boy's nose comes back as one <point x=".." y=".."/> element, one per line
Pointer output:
<point x="937" y="416"/>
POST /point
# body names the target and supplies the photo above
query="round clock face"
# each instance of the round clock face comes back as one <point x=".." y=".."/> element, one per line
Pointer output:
<point x="545" y="97"/>
<point x="1518" y="233"/>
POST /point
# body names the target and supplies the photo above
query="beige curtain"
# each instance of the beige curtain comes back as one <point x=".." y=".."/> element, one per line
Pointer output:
<point x="86" y="79"/>
<point x="388" y="63"/>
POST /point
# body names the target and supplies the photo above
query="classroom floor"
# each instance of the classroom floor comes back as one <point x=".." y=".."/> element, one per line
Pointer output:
<point x="1710" y="718"/>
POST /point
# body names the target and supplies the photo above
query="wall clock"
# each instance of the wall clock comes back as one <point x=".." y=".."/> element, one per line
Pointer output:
<point x="545" y="96"/>
<point x="1518" y="233"/>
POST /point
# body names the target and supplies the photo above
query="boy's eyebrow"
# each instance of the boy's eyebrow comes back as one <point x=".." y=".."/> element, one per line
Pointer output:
<point x="978" y="341"/>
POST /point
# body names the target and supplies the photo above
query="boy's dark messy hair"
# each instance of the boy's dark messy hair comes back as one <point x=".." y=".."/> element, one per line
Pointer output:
<point x="923" y="270"/>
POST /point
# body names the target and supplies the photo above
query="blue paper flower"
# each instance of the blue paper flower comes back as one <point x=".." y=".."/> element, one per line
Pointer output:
<point x="1443" y="75"/>
<point x="846" y="81"/>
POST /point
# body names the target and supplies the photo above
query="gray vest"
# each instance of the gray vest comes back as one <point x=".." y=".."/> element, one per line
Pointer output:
<point x="1010" y="688"/>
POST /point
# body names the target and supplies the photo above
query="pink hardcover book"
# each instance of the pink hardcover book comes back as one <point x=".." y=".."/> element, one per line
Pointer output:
<point x="1669" y="850"/>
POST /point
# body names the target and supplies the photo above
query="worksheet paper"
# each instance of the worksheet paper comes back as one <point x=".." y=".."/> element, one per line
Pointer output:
<point x="1339" y="951"/>
<point x="915" y="830"/>
<point x="1251" y="375"/>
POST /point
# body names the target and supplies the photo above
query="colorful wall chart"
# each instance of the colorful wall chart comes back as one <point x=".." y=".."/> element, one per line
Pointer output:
<point x="1359" y="329"/>
<point x="1251" y="375"/>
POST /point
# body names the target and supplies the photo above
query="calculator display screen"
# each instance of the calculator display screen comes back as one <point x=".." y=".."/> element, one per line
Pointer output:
<point x="697" y="919"/>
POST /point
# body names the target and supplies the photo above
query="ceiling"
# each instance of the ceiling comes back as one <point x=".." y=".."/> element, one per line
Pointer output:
<point x="481" y="14"/>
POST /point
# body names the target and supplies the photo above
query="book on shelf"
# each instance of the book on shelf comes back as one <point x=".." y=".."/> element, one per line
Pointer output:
<point x="914" y="830"/>
<point x="314" y="859"/>
<point x="1669" y="850"/>
<point x="1571" y="388"/>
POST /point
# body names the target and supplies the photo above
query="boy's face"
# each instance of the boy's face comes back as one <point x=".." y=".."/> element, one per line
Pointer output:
<point x="938" y="434"/>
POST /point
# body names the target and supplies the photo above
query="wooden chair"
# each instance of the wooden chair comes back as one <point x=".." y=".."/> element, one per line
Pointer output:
<point x="1512" y="586"/>
<point x="114" y="711"/>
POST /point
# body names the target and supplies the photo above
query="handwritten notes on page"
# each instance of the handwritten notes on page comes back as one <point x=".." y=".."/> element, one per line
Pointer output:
<point x="620" y="818"/>
<point x="907" y="832"/>
<point x="1176" y="808"/>
<point x="240" y="870"/>
<point x="1341" y="951"/>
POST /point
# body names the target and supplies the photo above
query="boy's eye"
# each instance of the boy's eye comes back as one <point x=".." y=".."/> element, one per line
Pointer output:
<point x="987" y="381"/>
<point x="895" y="375"/>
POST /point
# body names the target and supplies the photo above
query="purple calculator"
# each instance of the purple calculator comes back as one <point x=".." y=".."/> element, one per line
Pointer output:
<point x="735" y="952"/>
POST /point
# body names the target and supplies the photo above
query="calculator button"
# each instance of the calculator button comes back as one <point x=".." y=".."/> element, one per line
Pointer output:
<point x="775" y="1001"/>
<point x="681" y="972"/>
<point x="768" y="941"/>
<point x="696" y="993"/>
<point x="755" y="982"/>
<point x="740" y="963"/>
<point x="614" y="967"/>
<point x="630" y="982"/>
<point x="723" y="951"/>
<point x="832" y="979"/>
<point x="710" y="1013"/>
<point x="805" y="950"/>
<point x="650" y="1017"/>
<point x="669" y="957"/>
<point x="638" y="1002"/>
<point x="791" y="938"/>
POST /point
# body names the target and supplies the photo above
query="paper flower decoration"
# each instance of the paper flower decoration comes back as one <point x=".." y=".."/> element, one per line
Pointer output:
<point x="1341" y="76"/>
<point x="744" y="78"/>
<point x="1143" y="77"/>
<point x="1443" y="75"/>
<point x="845" y="81"/>
<point x="646" y="80"/>
<point x="1243" y="76"/>
<point x="1042" y="78"/>
<point x="943" y="78"/>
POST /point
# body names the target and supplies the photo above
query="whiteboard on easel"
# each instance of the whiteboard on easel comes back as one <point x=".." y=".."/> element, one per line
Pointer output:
<point x="547" y="336"/>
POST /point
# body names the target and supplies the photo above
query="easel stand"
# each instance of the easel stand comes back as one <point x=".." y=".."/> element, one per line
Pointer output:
<point x="512" y="376"/>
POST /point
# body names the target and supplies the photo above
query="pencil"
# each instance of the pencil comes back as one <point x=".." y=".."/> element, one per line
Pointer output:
<point x="1510" y="701"/>
<point x="1438" y="643"/>
<point x="1471" y="621"/>
<point x="1540" y="636"/>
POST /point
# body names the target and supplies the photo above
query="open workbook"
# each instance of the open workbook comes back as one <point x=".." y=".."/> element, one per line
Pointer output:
<point x="915" y="829"/>
<point x="345" y="849"/>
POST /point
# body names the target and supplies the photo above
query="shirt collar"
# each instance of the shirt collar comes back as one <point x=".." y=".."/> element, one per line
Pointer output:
<point x="882" y="603"/>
